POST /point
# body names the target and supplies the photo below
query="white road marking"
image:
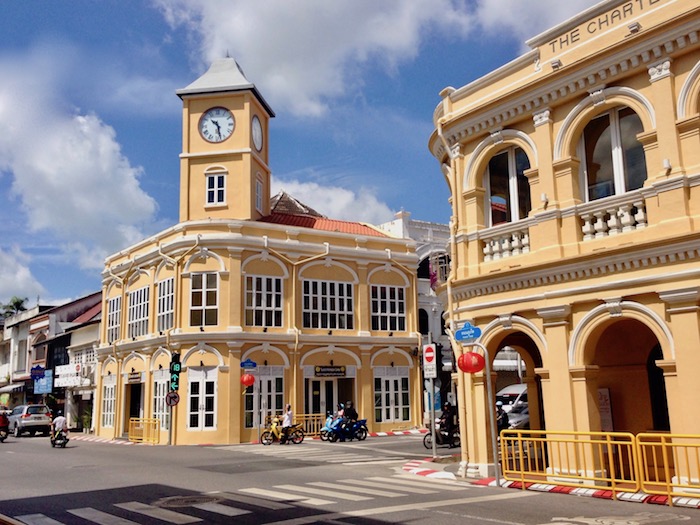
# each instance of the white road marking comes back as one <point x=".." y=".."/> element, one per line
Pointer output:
<point x="158" y="513"/>
<point x="281" y="496"/>
<point x="360" y="490"/>
<point x="325" y="493"/>
<point x="97" y="516"/>
<point x="37" y="519"/>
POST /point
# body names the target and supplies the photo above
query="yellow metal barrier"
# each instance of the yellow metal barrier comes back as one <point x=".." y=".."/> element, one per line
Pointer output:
<point x="669" y="464"/>
<point x="144" y="430"/>
<point x="594" y="460"/>
<point x="313" y="423"/>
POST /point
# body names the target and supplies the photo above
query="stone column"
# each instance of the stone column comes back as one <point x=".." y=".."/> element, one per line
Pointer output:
<point x="682" y="307"/>
<point x="557" y="393"/>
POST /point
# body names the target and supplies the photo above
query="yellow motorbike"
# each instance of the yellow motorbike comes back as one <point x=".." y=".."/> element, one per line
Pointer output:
<point x="274" y="432"/>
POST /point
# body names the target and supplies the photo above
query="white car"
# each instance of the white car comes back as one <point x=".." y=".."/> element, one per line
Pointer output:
<point x="519" y="417"/>
<point x="511" y="395"/>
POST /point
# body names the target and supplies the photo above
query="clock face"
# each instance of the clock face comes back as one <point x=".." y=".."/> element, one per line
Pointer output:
<point x="216" y="125"/>
<point x="257" y="133"/>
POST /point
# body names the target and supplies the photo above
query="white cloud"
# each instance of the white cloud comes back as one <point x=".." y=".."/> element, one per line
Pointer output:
<point x="337" y="203"/>
<point x="69" y="175"/>
<point x="305" y="54"/>
<point x="524" y="19"/>
<point x="16" y="277"/>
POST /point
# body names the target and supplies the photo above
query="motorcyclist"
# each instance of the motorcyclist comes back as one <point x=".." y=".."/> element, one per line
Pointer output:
<point x="501" y="417"/>
<point x="59" y="423"/>
<point x="447" y="422"/>
<point x="350" y="412"/>
<point x="4" y="423"/>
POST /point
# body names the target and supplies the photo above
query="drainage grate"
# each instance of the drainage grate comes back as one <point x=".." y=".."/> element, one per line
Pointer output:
<point x="185" y="501"/>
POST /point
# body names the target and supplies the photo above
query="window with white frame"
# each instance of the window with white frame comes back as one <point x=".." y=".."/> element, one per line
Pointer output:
<point x="204" y="299"/>
<point x="114" y="316"/>
<point x="108" y="399"/>
<point x="137" y="324"/>
<point x="613" y="160"/>
<point x="388" y="308"/>
<point x="21" y="364"/>
<point x="201" y="398"/>
<point x="216" y="188"/>
<point x="259" y="195"/>
<point x="328" y="305"/>
<point x="161" y="385"/>
<point x="392" y="402"/>
<point x="166" y="304"/>
<point x="263" y="301"/>
<point x="507" y="187"/>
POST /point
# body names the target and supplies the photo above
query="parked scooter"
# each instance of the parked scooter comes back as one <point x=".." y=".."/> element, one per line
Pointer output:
<point x="442" y="437"/>
<point x="331" y="424"/>
<point x="273" y="433"/>
<point x="59" y="438"/>
<point x="345" y="430"/>
<point x="4" y="426"/>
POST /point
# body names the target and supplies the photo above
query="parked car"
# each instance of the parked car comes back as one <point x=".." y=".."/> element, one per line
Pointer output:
<point x="30" y="418"/>
<point x="519" y="417"/>
<point x="512" y="395"/>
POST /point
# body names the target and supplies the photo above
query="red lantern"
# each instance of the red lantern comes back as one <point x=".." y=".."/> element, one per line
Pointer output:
<point x="248" y="379"/>
<point x="471" y="362"/>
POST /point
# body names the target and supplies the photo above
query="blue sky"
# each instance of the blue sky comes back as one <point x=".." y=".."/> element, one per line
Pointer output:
<point x="90" y="123"/>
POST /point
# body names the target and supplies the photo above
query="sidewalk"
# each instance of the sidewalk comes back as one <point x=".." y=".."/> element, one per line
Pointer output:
<point x="447" y="467"/>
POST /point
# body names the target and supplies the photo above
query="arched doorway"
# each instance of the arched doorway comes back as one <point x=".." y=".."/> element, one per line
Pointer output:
<point x="522" y="358"/>
<point x="631" y="385"/>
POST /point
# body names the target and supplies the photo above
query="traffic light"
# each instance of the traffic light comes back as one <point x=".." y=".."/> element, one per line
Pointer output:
<point x="446" y="358"/>
<point x="175" y="369"/>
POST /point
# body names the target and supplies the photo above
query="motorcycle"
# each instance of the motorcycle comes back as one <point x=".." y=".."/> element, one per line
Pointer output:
<point x="273" y="433"/>
<point x="4" y="427"/>
<point x="331" y="424"/>
<point x="59" y="438"/>
<point x="348" y="430"/>
<point x="441" y="437"/>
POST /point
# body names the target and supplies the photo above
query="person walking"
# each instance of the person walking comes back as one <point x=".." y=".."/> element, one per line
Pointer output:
<point x="286" y="424"/>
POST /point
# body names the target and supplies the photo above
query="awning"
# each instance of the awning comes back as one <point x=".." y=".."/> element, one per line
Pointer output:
<point x="12" y="387"/>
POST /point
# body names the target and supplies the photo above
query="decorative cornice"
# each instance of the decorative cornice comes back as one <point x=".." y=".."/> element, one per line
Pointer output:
<point x="584" y="268"/>
<point x="542" y="117"/>
<point x="562" y="86"/>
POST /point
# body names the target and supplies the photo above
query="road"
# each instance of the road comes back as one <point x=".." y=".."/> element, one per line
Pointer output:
<point x="314" y="482"/>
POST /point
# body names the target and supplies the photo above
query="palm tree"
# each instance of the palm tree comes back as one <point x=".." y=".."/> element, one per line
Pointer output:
<point x="15" y="306"/>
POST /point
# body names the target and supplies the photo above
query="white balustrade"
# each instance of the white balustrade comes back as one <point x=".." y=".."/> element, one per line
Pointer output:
<point x="612" y="217"/>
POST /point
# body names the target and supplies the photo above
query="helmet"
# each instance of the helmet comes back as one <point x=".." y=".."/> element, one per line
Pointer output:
<point x="349" y="404"/>
<point x="447" y="404"/>
<point x="59" y="413"/>
<point x="499" y="403"/>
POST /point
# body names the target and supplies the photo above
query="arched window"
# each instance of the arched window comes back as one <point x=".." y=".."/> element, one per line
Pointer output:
<point x="613" y="160"/>
<point x="507" y="188"/>
<point x="423" y="322"/>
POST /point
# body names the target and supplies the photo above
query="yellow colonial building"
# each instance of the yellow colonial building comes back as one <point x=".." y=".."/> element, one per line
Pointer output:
<point x="574" y="173"/>
<point x="324" y="311"/>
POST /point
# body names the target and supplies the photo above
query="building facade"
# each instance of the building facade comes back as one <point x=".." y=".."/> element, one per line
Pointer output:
<point x="318" y="311"/>
<point x="575" y="179"/>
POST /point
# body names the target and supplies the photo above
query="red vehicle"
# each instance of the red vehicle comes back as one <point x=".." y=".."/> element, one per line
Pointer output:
<point x="4" y="424"/>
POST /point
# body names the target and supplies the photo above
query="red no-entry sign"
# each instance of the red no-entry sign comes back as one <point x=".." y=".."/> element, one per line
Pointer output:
<point x="429" y="364"/>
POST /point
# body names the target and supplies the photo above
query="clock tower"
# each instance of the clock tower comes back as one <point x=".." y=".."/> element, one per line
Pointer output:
<point x="224" y="170"/>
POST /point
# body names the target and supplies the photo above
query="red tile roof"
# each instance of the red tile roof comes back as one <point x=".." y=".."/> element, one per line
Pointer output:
<point x="322" y="223"/>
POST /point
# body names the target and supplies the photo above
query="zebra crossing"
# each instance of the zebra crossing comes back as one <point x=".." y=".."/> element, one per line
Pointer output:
<point x="320" y="454"/>
<point x="218" y="506"/>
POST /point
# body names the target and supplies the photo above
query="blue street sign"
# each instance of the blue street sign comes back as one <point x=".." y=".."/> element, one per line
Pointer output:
<point x="467" y="332"/>
<point x="248" y="364"/>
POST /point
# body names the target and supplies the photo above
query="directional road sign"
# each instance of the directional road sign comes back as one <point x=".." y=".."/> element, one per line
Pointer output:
<point x="468" y="333"/>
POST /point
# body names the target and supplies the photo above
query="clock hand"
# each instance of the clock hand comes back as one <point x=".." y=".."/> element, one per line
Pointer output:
<point x="218" y="128"/>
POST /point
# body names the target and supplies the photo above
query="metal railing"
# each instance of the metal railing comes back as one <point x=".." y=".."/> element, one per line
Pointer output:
<point x="577" y="459"/>
<point x="669" y="464"/>
<point x="652" y="463"/>
<point x="144" y="430"/>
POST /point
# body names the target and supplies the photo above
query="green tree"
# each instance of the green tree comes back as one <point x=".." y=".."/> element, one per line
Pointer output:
<point x="15" y="306"/>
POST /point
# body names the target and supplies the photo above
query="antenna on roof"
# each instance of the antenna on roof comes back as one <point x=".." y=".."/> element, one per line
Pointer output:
<point x="227" y="54"/>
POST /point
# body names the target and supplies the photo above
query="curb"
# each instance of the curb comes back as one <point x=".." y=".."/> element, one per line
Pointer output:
<point x="419" y="468"/>
<point x="422" y="468"/>
<point x="418" y="431"/>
